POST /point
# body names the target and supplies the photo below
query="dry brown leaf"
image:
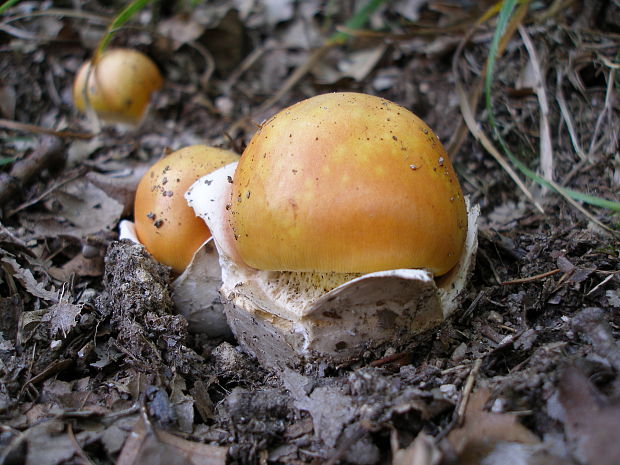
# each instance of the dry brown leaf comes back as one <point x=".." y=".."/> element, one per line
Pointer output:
<point x="147" y="445"/>
<point x="180" y="29"/>
<point x="80" y="208"/>
<point x="78" y="266"/>
<point x="62" y="317"/>
<point x="591" y="422"/>
<point x="422" y="451"/>
<point x="483" y="430"/>
<point x="27" y="279"/>
<point x="120" y="185"/>
<point x="356" y="65"/>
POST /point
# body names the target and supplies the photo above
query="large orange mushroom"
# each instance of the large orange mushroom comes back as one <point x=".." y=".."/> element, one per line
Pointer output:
<point x="343" y="228"/>
<point x="347" y="182"/>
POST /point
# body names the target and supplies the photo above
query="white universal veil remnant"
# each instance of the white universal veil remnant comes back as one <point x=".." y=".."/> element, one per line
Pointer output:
<point x="196" y="291"/>
<point x="328" y="192"/>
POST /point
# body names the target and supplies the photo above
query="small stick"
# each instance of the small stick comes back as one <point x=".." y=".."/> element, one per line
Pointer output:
<point x="531" y="278"/>
<point x="400" y="357"/>
<point x="77" y="174"/>
<point x="77" y="447"/>
<point x="23" y="171"/>
<point x="469" y="385"/>
<point x="599" y="285"/>
<point x="17" y="126"/>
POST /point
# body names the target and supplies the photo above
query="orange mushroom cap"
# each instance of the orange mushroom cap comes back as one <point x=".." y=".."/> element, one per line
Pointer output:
<point x="119" y="86"/>
<point x="165" y="224"/>
<point x="347" y="182"/>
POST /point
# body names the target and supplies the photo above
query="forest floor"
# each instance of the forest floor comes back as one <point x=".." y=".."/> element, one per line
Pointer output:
<point x="525" y="372"/>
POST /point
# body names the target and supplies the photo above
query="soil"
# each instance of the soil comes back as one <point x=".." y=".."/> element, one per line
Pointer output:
<point x="97" y="367"/>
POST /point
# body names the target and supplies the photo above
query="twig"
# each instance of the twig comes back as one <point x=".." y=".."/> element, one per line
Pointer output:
<point x="66" y="13"/>
<point x="17" y="126"/>
<point x="531" y="278"/>
<point x="23" y="171"/>
<point x="607" y="110"/>
<point x="467" y="313"/>
<point x="76" y="445"/>
<point x="602" y="283"/>
<point x="453" y="369"/>
<point x="459" y="136"/>
<point x="79" y="173"/>
<point x="460" y="413"/>
<point x="546" y="149"/>
<point x="338" y="38"/>
<point x="400" y="358"/>
<point x="245" y="65"/>
<point x="49" y="371"/>
<point x="488" y="145"/>
<point x="299" y="73"/>
<point x="559" y="95"/>
<point x="205" y="77"/>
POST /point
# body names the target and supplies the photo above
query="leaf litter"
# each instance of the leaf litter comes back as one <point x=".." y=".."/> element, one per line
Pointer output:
<point x="95" y="364"/>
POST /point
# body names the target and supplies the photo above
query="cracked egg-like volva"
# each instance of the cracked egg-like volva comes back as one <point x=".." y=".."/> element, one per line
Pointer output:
<point x="342" y="228"/>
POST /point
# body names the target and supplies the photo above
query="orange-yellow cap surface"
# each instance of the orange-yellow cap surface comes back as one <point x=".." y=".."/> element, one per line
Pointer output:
<point x="347" y="182"/>
<point x="165" y="224"/>
<point x="119" y="86"/>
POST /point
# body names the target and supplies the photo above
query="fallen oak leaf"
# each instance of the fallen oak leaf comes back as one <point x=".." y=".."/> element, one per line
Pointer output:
<point x="147" y="445"/>
<point x="25" y="276"/>
<point x="482" y="431"/>
<point x="62" y="317"/>
<point x="421" y="451"/>
<point x="591" y="422"/>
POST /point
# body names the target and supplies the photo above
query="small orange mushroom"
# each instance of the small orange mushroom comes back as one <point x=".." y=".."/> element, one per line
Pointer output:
<point x="348" y="183"/>
<point x="119" y="85"/>
<point x="165" y="224"/>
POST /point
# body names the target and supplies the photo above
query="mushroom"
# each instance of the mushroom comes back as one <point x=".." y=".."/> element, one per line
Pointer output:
<point x="344" y="229"/>
<point x="120" y="85"/>
<point x="169" y="229"/>
<point x="165" y="224"/>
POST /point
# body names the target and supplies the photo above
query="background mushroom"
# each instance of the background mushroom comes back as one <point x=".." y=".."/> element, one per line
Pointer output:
<point x="119" y="87"/>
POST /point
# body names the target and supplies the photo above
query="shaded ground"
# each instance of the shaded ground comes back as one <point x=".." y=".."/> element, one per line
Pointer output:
<point x="91" y="350"/>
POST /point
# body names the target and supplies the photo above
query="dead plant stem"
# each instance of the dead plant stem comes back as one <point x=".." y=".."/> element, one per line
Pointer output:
<point x="469" y="384"/>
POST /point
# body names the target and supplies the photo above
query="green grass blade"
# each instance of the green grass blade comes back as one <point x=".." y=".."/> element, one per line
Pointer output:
<point x="357" y="21"/>
<point x="502" y="21"/>
<point x="504" y="16"/>
<point x="125" y="15"/>
<point x="590" y="199"/>
<point x="7" y="5"/>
